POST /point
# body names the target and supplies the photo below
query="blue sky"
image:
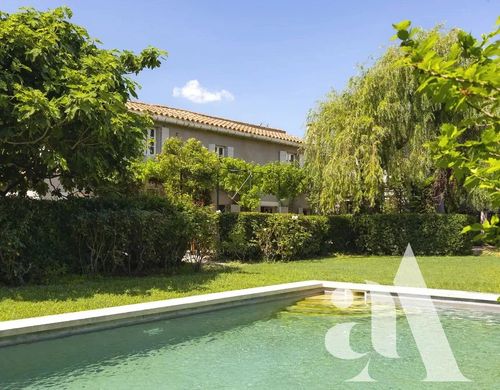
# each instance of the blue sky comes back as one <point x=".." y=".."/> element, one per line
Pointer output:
<point x="265" y="62"/>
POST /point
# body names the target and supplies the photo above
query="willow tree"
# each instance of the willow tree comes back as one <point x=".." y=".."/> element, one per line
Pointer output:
<point x="366" y="144"/>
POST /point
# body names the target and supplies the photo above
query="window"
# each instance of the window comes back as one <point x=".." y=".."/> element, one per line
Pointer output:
<point x="292" y="157"/>
<point x="151" y="143"/>
<point x="287" y="157"/>
<point x="221" y="151"/>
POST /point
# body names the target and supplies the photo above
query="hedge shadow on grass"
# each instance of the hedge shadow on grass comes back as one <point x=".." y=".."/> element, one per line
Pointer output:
<point x="78" y="287"/>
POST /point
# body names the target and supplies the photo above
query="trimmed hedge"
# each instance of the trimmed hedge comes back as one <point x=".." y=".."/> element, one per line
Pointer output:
<point x="342" y="233"/>
<point x="253" y="236"/>
<point x="237" y="236"/>
<point x="428" y="234"/>
<point x="42" y="239"/>
<point x="257" y="236"/>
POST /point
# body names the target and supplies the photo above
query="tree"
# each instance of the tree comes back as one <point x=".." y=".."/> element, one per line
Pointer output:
<point x="189" y="170"/>
<point x="62" y="104"/>
<point x="283" y="180"/>
<point x="467" y="79"/>
<point x="241" y="179"/>
<point x="183" y="169"/>
<point x="366" y="144"/>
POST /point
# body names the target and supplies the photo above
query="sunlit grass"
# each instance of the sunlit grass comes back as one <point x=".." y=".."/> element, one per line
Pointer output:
<point x="81" y="293"/>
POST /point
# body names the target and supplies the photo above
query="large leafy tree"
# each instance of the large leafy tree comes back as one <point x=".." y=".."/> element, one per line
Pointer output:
<point x="62" y="104"/>
<point x="466" y="79"/>
<point x="365" y="145"/>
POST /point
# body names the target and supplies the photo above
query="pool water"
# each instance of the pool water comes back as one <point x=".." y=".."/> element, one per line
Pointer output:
<point x="274" y="345"/>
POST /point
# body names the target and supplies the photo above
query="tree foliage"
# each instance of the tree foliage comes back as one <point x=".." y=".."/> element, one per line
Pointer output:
<point x="366" y="143"/>
<point x="188" y="169"/>
<point x="468" y="78"/>
<point x="183" y="169"/>
<point x="251" y="181"/>
<point x="62" y="104"/>
<point x="242" y="180"/>
<point x="283" y="180"/>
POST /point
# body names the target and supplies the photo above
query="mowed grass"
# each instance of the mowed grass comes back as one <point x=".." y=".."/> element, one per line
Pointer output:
<point x="83" y="293"/>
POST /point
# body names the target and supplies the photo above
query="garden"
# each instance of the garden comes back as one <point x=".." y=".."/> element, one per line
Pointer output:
<point x="407" y="153"/>
<point x="120" y="267"/>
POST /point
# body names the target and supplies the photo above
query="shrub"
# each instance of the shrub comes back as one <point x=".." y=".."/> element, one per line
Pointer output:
<point x="341" y="233"/>
<point x="131" y="241"/>
<point x="282" y="238"/>
<point x="41" y="239"/>
<point x="202" y="231"/>
<point x="428" y="234"/>
<point x="32" y="244"/>
<point x="242" y="235"/>
<point x="236" y="244"/>
<point x="237" y="238"/>
<point x="257" y="236"/>
<point x="319" y="242"/>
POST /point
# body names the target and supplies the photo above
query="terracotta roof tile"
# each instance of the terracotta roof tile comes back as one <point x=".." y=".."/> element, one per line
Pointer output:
<point x="202" y="119"/>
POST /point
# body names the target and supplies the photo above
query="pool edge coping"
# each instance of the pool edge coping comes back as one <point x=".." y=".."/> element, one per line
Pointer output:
<point x="12" y="329"/>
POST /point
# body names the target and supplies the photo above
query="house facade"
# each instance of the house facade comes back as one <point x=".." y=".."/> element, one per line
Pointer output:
<point x="227" y="138"/>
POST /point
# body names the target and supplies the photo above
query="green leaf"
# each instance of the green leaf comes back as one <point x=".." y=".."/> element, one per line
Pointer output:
<point x="403" y="25"/>
<point x="476" y="227"/>
<point x="403" y="34"/>
<point x="466" y="229"/>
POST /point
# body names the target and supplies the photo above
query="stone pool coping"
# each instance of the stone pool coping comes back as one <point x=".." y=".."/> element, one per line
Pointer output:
<point x="36" y="328"/>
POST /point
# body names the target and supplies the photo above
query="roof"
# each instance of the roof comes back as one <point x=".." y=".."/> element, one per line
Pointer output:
<point x="247" y="129"/>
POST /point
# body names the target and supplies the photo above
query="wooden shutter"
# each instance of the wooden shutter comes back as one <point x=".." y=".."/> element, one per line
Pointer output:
<point x="301" y="160"/>
<point x="165" y="134"/>
<point x="158" y="134"/>
<point x="230" y="151"/>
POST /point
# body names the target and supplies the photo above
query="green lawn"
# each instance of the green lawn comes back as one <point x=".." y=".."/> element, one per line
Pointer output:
<point x="73" y="294"/>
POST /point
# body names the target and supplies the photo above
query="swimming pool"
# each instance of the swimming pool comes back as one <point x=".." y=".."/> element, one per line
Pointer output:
<point x="273" y="345"/>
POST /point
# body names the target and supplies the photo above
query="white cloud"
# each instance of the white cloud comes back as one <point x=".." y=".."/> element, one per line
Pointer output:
<point x="194" y="91"/>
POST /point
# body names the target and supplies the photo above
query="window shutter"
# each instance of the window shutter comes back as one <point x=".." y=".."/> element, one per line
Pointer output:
<point x="230" y="151"/>
<point x="211" y="147"/>
<point x="165" y="134"/>
<point x="301" y="160"/>
<point x="159" y="140"/>
<point x="283" y="156"/>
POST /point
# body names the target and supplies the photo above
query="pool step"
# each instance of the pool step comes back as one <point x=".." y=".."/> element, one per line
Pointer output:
<point x="323" y="305"/>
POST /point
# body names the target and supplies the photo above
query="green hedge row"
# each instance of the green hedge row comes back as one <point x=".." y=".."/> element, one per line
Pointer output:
<point x="42" y="239"/>
<point x="256" y="236"/>
<point x="428" y="234"/>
